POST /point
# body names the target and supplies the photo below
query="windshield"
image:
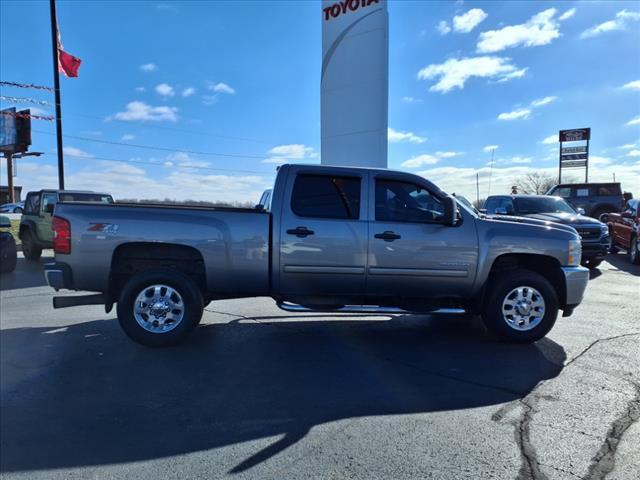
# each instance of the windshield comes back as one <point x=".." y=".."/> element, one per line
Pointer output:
<point x="526" y="206"/>
<point x="86" y="197"/>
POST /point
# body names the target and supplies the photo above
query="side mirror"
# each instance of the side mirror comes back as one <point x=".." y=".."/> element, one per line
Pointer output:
<point x="580" y="211"/>
<point x="450" y="211"/>
<point x="49" y="208"/>
<point x="5" y="222"/>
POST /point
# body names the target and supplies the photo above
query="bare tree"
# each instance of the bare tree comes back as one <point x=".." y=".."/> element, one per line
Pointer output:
<point x="535" y="183"/>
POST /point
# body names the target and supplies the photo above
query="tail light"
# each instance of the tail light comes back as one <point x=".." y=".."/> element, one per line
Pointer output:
<point x="61" y="235"/>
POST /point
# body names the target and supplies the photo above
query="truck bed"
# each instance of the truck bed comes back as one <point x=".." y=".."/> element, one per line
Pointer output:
<point x="227" y="239"/>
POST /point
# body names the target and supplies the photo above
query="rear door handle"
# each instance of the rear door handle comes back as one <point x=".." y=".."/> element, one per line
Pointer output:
<point x="387" y="236"/>
<point x="300" y="232"/>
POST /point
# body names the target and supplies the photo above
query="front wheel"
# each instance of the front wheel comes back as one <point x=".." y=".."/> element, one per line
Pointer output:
<point x="634" y="256"/>
<point x="522" y="306"/>
<point x="159" y="308"/>
<point x="17" y="210"/>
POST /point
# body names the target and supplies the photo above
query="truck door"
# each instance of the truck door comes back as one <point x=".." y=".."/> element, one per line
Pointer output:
<point x="323" y="236"/>
<point x="412" y="253"/>
<point x="44" y="221"/>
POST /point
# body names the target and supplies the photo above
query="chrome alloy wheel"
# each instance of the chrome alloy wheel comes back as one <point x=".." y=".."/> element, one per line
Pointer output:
<point x="158" y="308"/>
<point x="523" y="308"/>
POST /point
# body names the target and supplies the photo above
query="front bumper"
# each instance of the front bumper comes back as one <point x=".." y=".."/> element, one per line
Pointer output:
<point x="58" y="275"/>
<point x="576" y="279"/>
<point x="596" y="250"/>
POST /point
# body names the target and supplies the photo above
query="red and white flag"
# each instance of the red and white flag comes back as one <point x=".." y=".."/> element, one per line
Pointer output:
<point x="67" y="63"/>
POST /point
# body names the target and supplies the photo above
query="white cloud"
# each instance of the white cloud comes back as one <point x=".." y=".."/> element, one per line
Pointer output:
<point x="633" y="153"/>
<point x="76" y="152"/>
<point x="144" y="112"/>
<point x="541" y="29"/>
<point x="411" y="100"/>
<point x="567" y="15"/>
<point x="456" y="71"/>
<point x="634" y="85"/>
<point x="634" y="121"/>
<point x="141" y="89"/>
<point x="184" y="160"/>
<point x="396" y="136"/>
<point x="521" y="160"/>
<point x="627" y="146"/>
<point x="165" y="90"/>
<point x="187" y="92"/>
<point x="620" y="22"/>
<point x="550" y="140"/>
<point x="443" y="27"/>
<point x="221" y="87"/>
<point x="543" y="101"/>
<point x="148" y="67"/>
<point x="209" y="99"/>
<point x="127" y="137"/>
<point x="420" y="160"/>
<point x="520" y="113"/>
<point x="488" y="148"/>
<point x="449" y="154"/>
<point x="468" y="21"/>
<point x="293" y="151"/>
<point x="510" y="76"/>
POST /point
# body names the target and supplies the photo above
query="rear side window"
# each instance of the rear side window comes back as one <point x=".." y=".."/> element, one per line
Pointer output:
<point x="325" y="196"/>
<point x="608" y="190"/>
<point x="32" y="204"/>
<point x="582" y="192"/>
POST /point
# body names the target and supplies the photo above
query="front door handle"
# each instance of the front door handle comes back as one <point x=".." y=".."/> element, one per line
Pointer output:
<point x="387" y="236"/>
<point x="300" y="232"/>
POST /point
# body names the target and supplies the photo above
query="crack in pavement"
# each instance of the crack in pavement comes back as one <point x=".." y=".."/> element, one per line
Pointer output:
<point x="604" y="461"/>
<point x="595" y="342"/>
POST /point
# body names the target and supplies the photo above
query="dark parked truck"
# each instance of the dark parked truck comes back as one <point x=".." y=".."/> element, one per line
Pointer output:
<point x="595" y="199"/>
<point x="333" y="239"/>
<point x="593" y="233"/>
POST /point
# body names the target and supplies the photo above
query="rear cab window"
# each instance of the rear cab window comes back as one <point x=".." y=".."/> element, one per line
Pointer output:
<point x="326" y="196"/>
<point x="86" y="197"/>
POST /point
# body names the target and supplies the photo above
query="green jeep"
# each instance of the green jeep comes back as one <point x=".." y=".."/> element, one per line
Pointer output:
<point x="35" y="225"/>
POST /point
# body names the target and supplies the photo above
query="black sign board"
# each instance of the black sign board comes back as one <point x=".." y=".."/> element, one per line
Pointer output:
<point x="574" y="163"/>
<point x="575" y="135"/>
<point x="577" y="156"/>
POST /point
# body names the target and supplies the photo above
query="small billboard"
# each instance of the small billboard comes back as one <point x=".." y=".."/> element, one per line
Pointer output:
<point x="8" y="134"/>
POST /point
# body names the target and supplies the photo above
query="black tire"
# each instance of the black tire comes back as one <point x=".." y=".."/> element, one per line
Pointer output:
<point x="8" y="256"/>
<point x="500" y="287"/>
<point x="182" y="284"/>
<point x="598" y="212"/>
<point x="612" y="242"/>
<point x="633" y="254"/>
<point x="591" y="263"/>
<point x="30" y="249"/>
<point x="17" y="210"/>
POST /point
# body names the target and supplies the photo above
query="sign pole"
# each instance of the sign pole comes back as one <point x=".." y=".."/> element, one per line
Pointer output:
<point x="56" y="85"/>
<point x="560" y="164"/>
<point x="9" y="157"/>
<point x="586" y="171"/>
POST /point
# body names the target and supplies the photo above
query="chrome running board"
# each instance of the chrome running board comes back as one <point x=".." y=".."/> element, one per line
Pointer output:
<point x="372" y="309"/>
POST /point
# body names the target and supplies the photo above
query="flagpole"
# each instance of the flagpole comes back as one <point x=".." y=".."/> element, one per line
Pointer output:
<point x="56" y="85"/>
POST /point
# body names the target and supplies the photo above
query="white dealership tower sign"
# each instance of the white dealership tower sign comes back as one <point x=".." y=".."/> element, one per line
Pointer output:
<point x="354" y="82"/>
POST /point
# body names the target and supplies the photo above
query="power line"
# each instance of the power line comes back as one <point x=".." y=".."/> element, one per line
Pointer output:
<point x="157" y="164"/>
<point x="151" y="147"/>
<point x="162" y="127"/>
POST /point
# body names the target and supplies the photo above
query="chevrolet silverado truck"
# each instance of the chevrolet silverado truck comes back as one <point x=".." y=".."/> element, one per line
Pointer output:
<point x="334" y="239"/>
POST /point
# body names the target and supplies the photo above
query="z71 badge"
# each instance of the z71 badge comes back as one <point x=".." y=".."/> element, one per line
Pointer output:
<point x="106" y="228"/>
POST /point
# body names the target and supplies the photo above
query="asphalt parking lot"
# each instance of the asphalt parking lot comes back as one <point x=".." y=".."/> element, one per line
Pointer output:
<point x="260" y="393"/>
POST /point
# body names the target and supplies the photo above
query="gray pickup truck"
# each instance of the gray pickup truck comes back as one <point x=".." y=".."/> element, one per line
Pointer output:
<point x="331" y="239"/>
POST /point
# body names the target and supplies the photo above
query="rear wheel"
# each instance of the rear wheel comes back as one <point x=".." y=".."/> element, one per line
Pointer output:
<point x="30" y="248"/>
<point x="522" y="307"/>
<point x="8" y="256"/>
<point x="160" y="307"/>
<point x="634" y="256"/>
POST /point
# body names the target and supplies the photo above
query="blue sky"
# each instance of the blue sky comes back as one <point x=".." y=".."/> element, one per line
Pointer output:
<point x="243" y="79"/>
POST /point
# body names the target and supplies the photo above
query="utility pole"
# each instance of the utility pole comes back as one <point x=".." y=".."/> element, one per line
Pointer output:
<point x="56" y="85"/>
<point x="491" y="170"/>
<point x="478" y="190"/>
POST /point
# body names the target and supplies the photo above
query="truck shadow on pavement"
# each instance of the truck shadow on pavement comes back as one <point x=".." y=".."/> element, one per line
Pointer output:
<point x="28" y="273"/>
<point x="621" y="262"/>
<point x="86" y="395"/>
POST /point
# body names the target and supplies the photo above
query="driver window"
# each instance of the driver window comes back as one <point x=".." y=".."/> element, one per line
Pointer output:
<point x="398" y="201"/>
